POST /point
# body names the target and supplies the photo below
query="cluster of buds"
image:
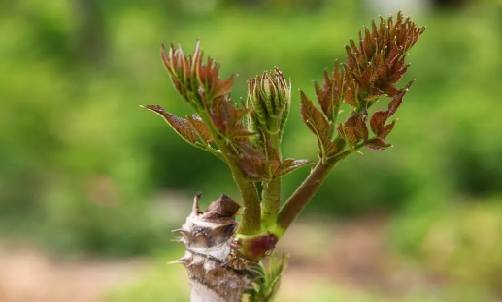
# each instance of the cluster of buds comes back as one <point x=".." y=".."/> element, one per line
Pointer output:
<point x="378" y="62"/>
<point x="373" y="68"/>
<point x="195" y="80"/>
<point x="269" y="98"/>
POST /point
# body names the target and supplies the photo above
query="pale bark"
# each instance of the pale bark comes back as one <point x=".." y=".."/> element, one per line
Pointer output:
<point x="215" y="271"/>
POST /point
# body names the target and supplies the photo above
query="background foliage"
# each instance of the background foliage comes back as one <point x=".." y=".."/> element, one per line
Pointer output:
<point x="82" y="168"/>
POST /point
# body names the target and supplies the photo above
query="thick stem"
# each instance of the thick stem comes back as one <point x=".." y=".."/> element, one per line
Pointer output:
<point x="214" y="267"/>
<point x="200" y="293"/>
<point x="213" y="281"/>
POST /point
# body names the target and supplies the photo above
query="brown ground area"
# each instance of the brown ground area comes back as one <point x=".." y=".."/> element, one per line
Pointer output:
<point x="28" y="275"/>
<point x="355" y="256"/>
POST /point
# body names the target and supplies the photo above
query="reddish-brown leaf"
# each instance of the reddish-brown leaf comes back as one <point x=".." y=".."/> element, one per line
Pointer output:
<point x="377" y="63"/>
<point x="377" y="122"/>
<point x="331" y="91"/>
<point x="377" y="144"/>
<point x="196" y="80"/>
<point x="201" y="128"/>
<point x="223" y="87"/>
<point x="379" y="119"/>
<point x="315" y="120"/>
<point x="181" y="125"/>
<point x="228" y="118"/>
<point x="355" y="129"/>
<point x="318" y="123"/>
<point x="252" y="161"/>
<point x="387" y="129"/>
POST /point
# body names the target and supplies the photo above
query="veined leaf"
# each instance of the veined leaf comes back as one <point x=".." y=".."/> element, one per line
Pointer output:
<point x="192" y="130"/>
<point x="377" y="122"/>
<point x="252" y="161"/>
<point x="317" y="122"/>
<point x="355" y="129"/>
<point x="228" y="118"/>
<point x="201" y="128"/>
<point x="379" y="119"/>
<point x="377" y="144"/>
<point x="330" y="92"/>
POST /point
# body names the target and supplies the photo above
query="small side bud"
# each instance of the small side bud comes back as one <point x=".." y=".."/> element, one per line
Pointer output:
<point x="256" y="247"/>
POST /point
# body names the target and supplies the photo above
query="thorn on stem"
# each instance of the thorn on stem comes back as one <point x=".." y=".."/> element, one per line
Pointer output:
<point x="195" y="206"/>
<point x="179" y="261"/>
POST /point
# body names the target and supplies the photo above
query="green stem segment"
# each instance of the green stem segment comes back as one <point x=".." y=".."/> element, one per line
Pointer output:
<point x="250" y="223"/>
<point x="251" y="216"/>
<point x="271" y="194"/>
<point x="271" y="197"/>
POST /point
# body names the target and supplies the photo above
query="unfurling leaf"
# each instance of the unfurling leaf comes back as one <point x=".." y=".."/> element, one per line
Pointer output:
<point x="313" y="118"/>
<point x="354" y="129"/>
<point x="377" y="62"/>
<point x="330" y="94"/>
<point x="196" y="81"/>
<point x="201" y="128"/>
<point x="268" y="278"/>
<point x="228" y="118"/>
<point x="317" y="122"/>
<point x="252" y="161"/>
<point x="258" y="165"/>
<point x="193" y="130"/>
<point x="379" y="119"/>
<point x="377" y="144"/>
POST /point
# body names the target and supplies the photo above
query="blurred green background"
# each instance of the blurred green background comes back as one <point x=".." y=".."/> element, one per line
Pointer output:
<point x="85" y="171"/>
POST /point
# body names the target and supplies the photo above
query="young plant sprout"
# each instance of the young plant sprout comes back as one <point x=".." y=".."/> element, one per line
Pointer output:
<point x="227" y="243"/>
